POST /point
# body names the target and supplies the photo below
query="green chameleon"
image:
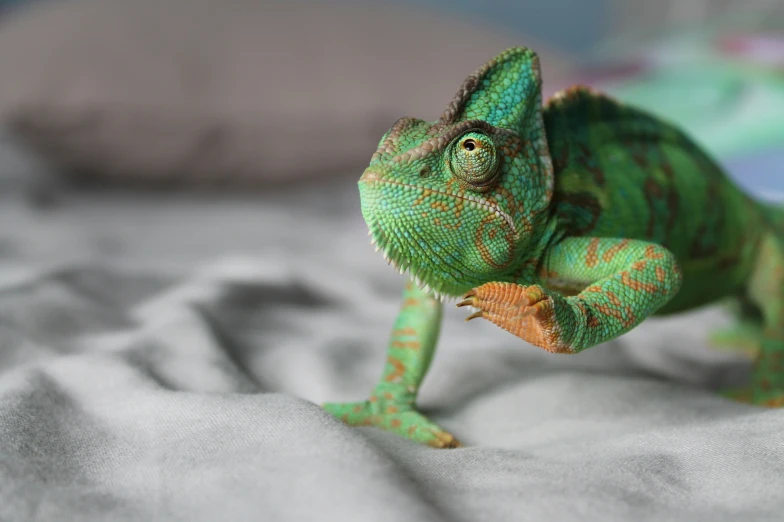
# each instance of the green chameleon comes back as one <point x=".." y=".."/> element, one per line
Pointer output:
<point x="566" y="225"/>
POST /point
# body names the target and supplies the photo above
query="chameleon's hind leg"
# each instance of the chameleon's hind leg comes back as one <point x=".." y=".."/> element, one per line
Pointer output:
<point x="745" y="336"/>
<point x="766" y="289"/>
<point x="392" y="402"/>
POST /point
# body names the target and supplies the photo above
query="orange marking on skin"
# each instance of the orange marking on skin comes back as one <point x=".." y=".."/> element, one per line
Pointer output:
<point x="618" y="314"/>
<point x="439" y="205"/>
<point x="398" y="372"/>
<point x="594" y="289"/>
<point x="512" y="151"/>
<point x="388" y="396"/>
<point x="613" y="250"/>
<point x="412" y="429"/>
<point x="413" y="345"/>
<point x="637" y="286"/>
<point x="592" y="255"/>
<point x="484" y="251"/>
<point x="661" y="275"/>
<point x="511" y="203"/>
<point x="395" y="423"/>
<point x="640" y="265"/>
<point x="410" y="302"/>
<point x="425" y="194"/>
<point x="651" y="252"/>
<point x="613" y="298"/>
<point x="373" y="398"/>
<point x="459" y="207"/>
<point x="526" y="224"/>
<point x="437" y="222"/>
<point x="776" y="402"/>
<point x="404" y="331"/>
<point x="358" y="408"/>
<point x="609" y="309"/>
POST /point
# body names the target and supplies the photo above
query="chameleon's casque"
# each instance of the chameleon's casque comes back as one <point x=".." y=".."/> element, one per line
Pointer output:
<point x="565" y="224"/>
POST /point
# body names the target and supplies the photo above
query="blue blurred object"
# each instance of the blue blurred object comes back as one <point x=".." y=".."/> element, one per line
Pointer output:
<point x="576" y="26"/>
<point x="759" y="173"/>
<point x="545" y="20"/>
<point x="7" y="5"/>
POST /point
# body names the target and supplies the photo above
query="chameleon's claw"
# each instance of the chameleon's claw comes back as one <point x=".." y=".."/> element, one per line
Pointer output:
<point x="470" y="293"/>
<point x="465" y="302"/>
<point x="474" y="315"/>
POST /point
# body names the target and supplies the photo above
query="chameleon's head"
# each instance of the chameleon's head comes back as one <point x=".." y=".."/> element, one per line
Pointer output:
<point x="457" y="202"/>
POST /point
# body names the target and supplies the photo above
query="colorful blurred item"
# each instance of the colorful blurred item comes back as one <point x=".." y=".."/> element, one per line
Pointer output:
<point x="723" y="84"/>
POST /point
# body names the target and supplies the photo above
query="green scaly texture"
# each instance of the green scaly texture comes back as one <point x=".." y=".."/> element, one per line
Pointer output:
<point x="566" y="225"/>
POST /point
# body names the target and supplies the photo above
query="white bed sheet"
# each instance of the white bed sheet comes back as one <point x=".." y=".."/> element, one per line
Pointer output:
<point x="161" y="358"/>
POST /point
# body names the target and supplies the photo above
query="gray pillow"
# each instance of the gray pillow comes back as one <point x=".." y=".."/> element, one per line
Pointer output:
<point x="230" y="91"/>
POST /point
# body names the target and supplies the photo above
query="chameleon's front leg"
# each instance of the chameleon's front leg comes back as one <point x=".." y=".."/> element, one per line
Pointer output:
<point x="392" y="402"/>
<point x="622" y="282"/>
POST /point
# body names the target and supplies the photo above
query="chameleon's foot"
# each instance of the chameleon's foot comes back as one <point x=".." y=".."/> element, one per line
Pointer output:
<point x="401" y="419"/>
<point x="529" y="312"/>
<point x="743" y="338"/>
<point x="758" y="397"/>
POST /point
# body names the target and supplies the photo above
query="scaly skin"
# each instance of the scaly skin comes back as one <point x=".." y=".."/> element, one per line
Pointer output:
<point x="566" y="225"/>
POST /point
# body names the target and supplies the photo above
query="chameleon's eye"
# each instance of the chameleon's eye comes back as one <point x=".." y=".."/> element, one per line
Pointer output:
<point x="475" y="160"/>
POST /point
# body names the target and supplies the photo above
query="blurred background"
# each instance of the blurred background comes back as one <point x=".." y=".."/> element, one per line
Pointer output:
<point x="256" y="94"/>
<point x="240" y="102"/>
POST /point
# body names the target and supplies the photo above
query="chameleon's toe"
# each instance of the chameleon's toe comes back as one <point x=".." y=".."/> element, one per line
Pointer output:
<point x="758" y="397"/>
<point x="499" y="302"/>
<point x="400" y="419"/>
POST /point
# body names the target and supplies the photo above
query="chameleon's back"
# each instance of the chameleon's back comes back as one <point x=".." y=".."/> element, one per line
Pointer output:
<point x="621" y="172"/>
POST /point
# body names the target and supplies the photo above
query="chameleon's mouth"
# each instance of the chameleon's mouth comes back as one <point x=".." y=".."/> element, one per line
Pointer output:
<point x="447" y="280"/>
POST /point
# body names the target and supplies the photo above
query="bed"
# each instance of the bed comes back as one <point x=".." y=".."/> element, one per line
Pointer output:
<point x="163" y="354"/>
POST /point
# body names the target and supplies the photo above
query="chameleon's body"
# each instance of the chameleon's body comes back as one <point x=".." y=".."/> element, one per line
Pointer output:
<point x="566" y="225"/>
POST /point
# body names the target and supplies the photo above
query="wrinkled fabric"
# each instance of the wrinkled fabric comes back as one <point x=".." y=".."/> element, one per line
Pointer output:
<point x="162" y="358"/>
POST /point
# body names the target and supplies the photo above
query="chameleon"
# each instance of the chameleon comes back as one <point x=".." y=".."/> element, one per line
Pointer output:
<point x="565" y="223"/>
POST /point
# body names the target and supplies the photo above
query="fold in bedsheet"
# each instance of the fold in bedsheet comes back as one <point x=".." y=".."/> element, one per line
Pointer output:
<point x="161" y="359"/>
